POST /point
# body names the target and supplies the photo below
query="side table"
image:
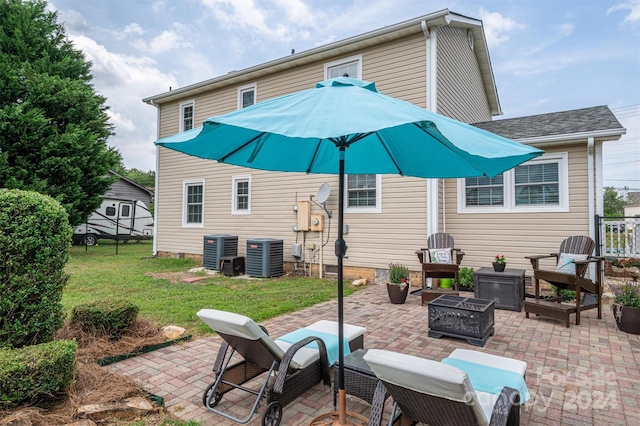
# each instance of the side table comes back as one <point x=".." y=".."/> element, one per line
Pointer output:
<point x="359" y="380"/>
<point x="505" y="288"/>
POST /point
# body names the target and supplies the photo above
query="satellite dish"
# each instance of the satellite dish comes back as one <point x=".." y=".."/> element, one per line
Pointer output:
<point x="323" y="193"/>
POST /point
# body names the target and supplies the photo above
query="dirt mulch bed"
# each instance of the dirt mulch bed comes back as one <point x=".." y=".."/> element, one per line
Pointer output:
<point x="93" y="384"/>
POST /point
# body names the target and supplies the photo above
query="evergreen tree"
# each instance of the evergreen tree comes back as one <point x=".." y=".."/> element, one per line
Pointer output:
<point x="53" y="126"/>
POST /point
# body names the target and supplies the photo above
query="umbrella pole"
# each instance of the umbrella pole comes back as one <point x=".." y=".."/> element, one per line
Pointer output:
<point x="341" y="249"/>
<point x="343" y="417"/>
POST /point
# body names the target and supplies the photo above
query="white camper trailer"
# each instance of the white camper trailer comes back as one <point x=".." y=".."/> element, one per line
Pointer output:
<point x="116" y="218"/>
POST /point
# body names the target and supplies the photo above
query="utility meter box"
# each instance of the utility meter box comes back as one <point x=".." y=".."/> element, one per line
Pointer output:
<point x="317" y="222"/>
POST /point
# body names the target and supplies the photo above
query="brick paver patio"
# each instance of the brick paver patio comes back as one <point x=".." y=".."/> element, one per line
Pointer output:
<point x="586" y="374"/>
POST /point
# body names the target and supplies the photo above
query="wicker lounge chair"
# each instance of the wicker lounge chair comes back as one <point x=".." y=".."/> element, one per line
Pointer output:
<point x="572" y="262"/>
<point x="439" y="393"/>
<point x="291" y="368"/>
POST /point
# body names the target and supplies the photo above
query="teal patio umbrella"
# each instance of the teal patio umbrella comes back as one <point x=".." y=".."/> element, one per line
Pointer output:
<point x="345" y="126"/>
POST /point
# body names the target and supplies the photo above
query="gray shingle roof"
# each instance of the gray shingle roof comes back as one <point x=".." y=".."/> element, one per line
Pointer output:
<point x="583" y="120"/>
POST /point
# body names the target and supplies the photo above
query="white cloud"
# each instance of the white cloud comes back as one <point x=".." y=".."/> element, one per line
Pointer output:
<point x="496" y="26"/>
<point x="165" y="42"/>
<point x="634" y="11"/>
<point x="124" y="80"/>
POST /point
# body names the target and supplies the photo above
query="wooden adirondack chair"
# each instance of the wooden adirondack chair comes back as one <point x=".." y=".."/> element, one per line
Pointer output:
<point x="439" y="270"/>
<point x="573" y="260"/>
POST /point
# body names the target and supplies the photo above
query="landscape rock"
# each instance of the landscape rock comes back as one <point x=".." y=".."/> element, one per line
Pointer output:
<point x="172" y="332"/>
<point x="357" y="283"/>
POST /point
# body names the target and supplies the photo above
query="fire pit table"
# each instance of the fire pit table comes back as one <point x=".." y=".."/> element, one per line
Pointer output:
<point x="461" y="317"/>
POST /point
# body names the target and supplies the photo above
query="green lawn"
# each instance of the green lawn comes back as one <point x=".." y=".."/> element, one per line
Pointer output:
<point x="99" y="273"/>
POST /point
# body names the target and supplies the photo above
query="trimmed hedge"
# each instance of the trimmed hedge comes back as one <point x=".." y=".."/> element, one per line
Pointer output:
<point x="111" y="317"/>
<point x="35" y="237"/>
<point x="36" y="374"/>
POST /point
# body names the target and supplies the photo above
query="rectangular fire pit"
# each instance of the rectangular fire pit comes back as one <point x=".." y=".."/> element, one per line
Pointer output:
<point x="461" y="317"/>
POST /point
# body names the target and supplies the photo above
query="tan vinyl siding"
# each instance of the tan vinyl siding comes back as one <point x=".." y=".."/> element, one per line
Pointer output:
<point x="373" y="238"/>
<point x="461" y="92"/>
<point x="516" y="235"/>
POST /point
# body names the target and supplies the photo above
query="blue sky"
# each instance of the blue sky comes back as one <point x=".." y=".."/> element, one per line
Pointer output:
<point x="547" y="56"/>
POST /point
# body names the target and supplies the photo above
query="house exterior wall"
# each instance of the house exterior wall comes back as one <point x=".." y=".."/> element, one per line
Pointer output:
<point x="461" y="93"/>
<point x="482" y="236"/>
<point x="374" y="239"/>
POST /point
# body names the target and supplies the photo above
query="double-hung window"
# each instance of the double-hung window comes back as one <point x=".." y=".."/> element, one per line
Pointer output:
<point x="541" y="184"/>
<point x="193" y="203"/>
<point x="363" y="193"/>
<point x="247" y="95"/>
<point x="241" y="203"/>
<point x="187" y="110"/>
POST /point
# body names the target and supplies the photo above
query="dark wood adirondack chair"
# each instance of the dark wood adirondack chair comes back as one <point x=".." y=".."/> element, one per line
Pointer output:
<point x="439" y="270"/>
<point x="553" y="308"/>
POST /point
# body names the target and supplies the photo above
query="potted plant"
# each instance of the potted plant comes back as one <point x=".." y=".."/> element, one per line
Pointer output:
<point x="398" y="285"/>
<point x="626" y="307"/>
<point x="499" y="263"/>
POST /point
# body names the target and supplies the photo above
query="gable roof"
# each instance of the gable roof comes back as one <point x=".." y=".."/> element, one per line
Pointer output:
<point x="349" y="45"/>
<point x="598" y="122"/>
<point x="129" y="181"/>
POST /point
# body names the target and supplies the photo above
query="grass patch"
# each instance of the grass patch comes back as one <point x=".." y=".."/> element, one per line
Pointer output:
<point x="98" y="273"/>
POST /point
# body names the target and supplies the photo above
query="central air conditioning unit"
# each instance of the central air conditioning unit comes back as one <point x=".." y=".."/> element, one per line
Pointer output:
<point x="264" y="257"/>
<point x="216" y="247"/>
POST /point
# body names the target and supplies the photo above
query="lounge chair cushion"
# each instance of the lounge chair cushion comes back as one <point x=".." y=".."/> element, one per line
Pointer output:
<point x="306" y="356"/>
<point x="496" y="361"/>
<point x="424" y="376"/>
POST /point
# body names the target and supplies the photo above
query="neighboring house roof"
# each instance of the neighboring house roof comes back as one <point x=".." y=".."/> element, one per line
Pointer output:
<point x="382" y="35"/>
<point x="598" y="122"/>
<point x="633" y="199"/>
<point x="129" y="181"/>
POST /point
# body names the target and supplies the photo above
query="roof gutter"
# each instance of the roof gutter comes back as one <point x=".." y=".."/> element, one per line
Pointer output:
<point x="609" y="135"/>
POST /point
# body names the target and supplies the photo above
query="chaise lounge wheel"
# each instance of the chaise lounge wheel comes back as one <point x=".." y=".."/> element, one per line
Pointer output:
<point x="207" y="394"/>
<point x="272" y="414"/>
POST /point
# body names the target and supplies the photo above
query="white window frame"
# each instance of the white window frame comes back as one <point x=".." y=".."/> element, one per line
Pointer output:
<point x="562" y="158"/>
<point x="184" y="105"/>
<point x="185" y="185"/>
<point x="253" y="87"/>
<point x="234" y="200"/>
<point x="363" y="209"/>
<point x="344" y="61"/>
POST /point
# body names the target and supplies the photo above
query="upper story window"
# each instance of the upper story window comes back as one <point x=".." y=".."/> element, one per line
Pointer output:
<point x="347" y="67"/>
<point x="186" y="115"/>
<point x="247" y="95"/>
<point x="363" y="193"/>
<point x="241" y="203"/>
<point x="541" y="184"/>
<point x="193" y="203"/>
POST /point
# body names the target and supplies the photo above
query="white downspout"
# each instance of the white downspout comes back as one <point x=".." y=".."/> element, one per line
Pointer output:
<point x="155" y="195"/>
<point x="591" y="190"/>
<point x="431" y="37"/>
